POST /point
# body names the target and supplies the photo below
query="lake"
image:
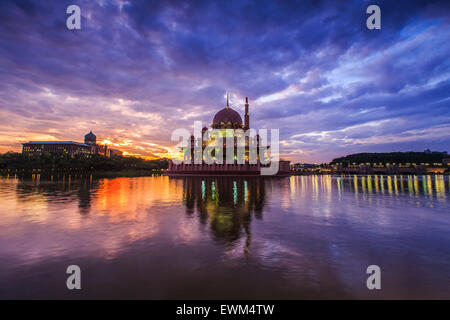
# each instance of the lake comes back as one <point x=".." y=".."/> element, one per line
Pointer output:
<point x="299" y="237"/>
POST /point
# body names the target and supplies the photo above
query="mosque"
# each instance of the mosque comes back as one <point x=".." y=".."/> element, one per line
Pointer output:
<point x="226" y="118"/>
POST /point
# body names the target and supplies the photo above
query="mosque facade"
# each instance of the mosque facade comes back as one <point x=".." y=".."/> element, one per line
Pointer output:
<point x="226" y="118"/>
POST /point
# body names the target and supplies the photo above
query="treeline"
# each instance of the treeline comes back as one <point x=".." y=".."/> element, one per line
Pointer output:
<point x="47" y="161"/>
<point x="392" y="157"/>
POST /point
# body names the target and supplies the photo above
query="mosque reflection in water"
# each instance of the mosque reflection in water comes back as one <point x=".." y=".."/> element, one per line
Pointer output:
<point x="227" y="204"/>
<point x="298" y="236"/>
<point x="225" y="197"/>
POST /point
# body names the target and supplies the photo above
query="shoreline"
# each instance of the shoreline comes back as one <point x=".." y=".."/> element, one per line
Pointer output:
<point x="96" y="174"/>
<point x="147" y="173"/>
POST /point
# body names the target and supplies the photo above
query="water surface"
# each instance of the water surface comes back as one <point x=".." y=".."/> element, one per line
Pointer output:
<point x="157" y="237"/>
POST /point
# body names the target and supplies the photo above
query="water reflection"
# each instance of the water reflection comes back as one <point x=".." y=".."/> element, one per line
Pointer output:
<point x="65" y="187"/>
<point x="394" y="185"/>
<point x="301" y="236"/>
<point x="227" y="204"/>
<point x="433" y="187"/>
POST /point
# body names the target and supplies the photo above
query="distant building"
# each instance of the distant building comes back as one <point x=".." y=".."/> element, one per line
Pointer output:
<point x="90" y="138"/>
<point x="68" y="147"/>
<point x="71" y="148"/>
<point x="305" y="166"/>
<point x="428" y="151"/>
<point x="102" y="150"/>
<point x="115" y="153"/>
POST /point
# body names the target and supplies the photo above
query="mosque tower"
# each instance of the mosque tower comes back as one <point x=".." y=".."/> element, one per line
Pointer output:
<point x="247" y="116"/>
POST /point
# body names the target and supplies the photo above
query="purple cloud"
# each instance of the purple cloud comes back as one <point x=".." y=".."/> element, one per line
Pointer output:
<point x="138" y="69"/>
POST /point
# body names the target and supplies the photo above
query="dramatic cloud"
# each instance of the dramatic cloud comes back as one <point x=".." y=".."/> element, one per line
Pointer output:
<point x="138" y="69"/>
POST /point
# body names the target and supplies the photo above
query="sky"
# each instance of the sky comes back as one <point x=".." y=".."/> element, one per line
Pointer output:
<point x="137" y="70"/>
